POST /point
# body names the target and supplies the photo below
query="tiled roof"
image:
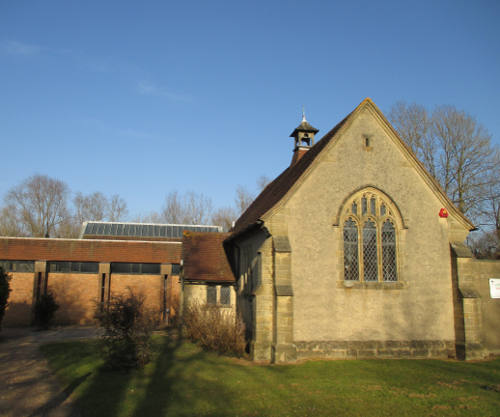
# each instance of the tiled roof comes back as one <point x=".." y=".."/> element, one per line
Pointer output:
<point x="83" y="250"/>
<point x="277" y="189"/>
<point x="204" y="257"/>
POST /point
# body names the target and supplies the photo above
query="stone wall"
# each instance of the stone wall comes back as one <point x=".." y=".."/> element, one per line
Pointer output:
<point x="418" y="306"/>
<point x="380" y="349"/>
<point x="195" y="292"/>
<point x="322" y="314"/>
<point x="477" y="314"/>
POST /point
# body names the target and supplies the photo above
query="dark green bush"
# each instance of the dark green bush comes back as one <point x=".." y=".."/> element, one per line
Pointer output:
<point x="126" y="342"/>
<point x="4" y="293"/>
<point x="44" y="310"/>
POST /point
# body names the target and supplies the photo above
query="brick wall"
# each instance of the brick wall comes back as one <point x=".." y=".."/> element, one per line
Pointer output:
<point x="19" y="310"/>
<point x="77" y="296"/>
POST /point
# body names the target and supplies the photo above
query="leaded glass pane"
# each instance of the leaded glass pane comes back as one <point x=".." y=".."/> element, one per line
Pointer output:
<point x="372" y="206"/>
<point x="211" y="294"/>
<point x="389" y="252"/>
<point x="382" y="210"/>
<point x="225" y="295"/>
<point x="351" y="263"/>
<point x="370" y="251"/>
<point x="354" y="208"/>
<point x="363" y="205"/>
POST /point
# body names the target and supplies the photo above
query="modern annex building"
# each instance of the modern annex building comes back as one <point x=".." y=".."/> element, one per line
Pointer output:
<point x="108" y="259"/>
<point x="353" y="251"/>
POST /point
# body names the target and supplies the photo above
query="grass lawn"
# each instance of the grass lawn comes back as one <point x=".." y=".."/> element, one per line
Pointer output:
<point x="183" y="380"/>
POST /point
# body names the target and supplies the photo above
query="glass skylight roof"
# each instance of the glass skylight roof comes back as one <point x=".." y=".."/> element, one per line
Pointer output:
<point x="142" y="229"/>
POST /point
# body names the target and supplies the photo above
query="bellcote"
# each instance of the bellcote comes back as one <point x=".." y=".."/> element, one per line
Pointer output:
<point x="304" y="138"/>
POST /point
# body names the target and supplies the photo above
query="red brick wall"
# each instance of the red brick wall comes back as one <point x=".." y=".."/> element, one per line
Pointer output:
<point x="173" y="295"/>
<point x="151" y="286"/>
<point x="18" y="312"/>
<point x="77" y="296"/>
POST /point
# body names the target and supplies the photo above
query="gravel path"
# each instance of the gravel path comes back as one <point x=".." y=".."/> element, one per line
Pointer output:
<point x="27" y="387"/>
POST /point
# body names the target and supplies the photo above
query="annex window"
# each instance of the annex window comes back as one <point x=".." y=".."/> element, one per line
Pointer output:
<point x="369" y="238"/>
<point x="17" y="266"/>
<point x="135" y="268"/>
<point x="176" y="269"/>
<point x="211" y="294"/>
<point x="225" y="295"/>
<point x="73" y="267"/>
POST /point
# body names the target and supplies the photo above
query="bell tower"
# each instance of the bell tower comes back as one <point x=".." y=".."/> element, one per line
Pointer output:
<point x="304" y="139"/>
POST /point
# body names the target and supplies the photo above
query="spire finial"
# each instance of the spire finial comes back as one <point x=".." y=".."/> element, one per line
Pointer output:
<point x="303" y="114"/>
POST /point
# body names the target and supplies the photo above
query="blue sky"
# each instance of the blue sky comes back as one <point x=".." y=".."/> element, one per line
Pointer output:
<point x="143" y="98"/>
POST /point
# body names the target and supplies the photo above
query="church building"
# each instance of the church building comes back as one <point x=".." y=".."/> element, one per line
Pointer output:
<point x="353" y="251"/>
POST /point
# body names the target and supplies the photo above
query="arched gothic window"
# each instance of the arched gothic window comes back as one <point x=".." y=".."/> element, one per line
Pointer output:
<point x="370" y="238"/>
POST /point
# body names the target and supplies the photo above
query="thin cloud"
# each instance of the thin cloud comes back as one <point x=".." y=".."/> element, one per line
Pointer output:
<point x="109" y="129"/>
<point x="19" y="48"/>
<point x="149" y="89"/>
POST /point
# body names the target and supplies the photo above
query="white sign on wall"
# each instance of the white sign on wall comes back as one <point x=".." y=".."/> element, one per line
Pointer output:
<point x="495" y="287"/>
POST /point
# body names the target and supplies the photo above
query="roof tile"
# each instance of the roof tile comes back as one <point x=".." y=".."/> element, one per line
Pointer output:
<point x="204" y="257"/>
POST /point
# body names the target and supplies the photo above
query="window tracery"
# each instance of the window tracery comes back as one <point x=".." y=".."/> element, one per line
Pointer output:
<point x="370" y="238"/>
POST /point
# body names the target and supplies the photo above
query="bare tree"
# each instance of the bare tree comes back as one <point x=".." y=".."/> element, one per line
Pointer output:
<point x="485" y="245"/>
<point x="243" y="199"/>
<point x="91" y="207"/>
<point x="98" y="207"/>
<point x="190" y="208"/>
<point x="224" y="217"/>
<point x="413" y="125"/>
<point x="262" y="182"/>
<point x="490" y="214"/>
<point x="454" y="148"/>
<point x="117" y="209"/>
<point x="10" y="224"/>
<point x="39" y="204"/>
<point x="465" y="159"/>
<point x="173" y="211"/>
<point x="151" y="217"/>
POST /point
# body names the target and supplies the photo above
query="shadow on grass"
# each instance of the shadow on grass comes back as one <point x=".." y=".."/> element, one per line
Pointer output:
<point x="181" y="380"/>
<point x="185" y="382"/>
<point x="59" y="398"/>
